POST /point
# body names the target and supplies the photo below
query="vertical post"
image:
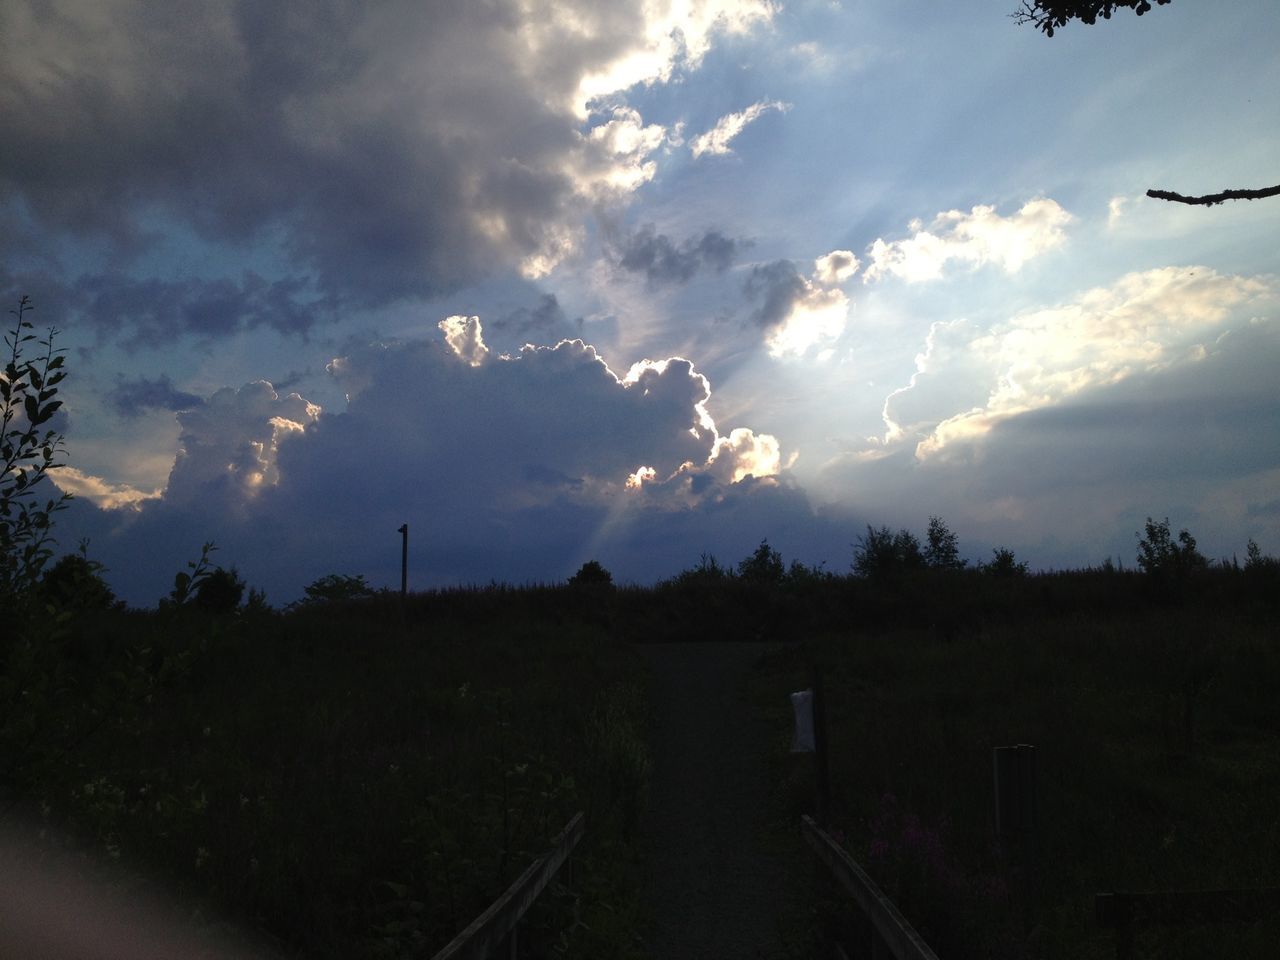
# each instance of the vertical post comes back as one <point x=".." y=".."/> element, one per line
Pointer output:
<point x="404" y="560"/>
<point x="1017" y="818"/>
<point x="1017" y="813"/>
<point x="821" y="770"/>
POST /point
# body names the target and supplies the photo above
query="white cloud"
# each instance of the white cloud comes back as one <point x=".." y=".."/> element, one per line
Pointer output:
<point x="816" y="318"/>
<point x="716" y="140"/>
<point x="230" y="444"/>
<point x="835" y="267"/>
<point x="465" y="338"/>
<point x="799" y="314"/>
<point x="667" y="35"/>
<point x="103" y="493"/>
<point x="976" y="238"/>
<point x="968" y="380"/>
<point x="744" y="453"/>
<point x="1115" y="211"/>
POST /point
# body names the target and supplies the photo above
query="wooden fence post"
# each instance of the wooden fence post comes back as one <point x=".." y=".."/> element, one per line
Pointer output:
<point x="821" y="770"/>
<point x="1017" y="804"/>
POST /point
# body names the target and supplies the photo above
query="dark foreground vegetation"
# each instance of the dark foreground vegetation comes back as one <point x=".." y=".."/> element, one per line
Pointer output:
<point x="1155" y="713"/>
<point x="343" y="782"/>
<point x="361" y="777"/>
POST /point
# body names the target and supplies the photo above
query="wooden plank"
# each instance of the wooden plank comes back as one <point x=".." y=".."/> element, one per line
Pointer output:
<point x="898" y="935"/>
<point x="483" y="936"/>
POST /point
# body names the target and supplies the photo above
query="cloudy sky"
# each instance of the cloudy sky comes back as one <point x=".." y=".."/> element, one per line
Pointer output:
<point x="554" y="281"/>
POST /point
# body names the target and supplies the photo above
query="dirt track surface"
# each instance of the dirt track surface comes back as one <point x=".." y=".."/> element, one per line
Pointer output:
<point x="716" y="886"/>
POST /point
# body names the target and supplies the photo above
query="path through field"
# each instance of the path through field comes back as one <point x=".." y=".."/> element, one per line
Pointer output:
<point x="720" y="885"/>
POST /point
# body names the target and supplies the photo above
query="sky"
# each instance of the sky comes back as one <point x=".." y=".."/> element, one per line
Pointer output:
<point x="641" y="282"/>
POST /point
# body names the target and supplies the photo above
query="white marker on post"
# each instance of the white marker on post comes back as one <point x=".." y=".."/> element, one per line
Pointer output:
<point x="802" y="704"/>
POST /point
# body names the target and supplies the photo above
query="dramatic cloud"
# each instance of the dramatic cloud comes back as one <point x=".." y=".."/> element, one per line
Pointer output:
<point x="386" y="149"/>
<point x="112" y="496"/>
<point x="976" y="238"/>
<point x="716" y="140"/>
<point x="967" y="380"/>
<point x="229" y="446"/>
<point x="663" y="262"/>
<point x="470" y="442"/>
<point x="800" y="314"/>
<point x="835" y="267"/>
<point x="131" y="398"/>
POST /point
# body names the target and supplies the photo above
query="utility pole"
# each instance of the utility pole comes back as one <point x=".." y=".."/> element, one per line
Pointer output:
<point x="404" y="560"/>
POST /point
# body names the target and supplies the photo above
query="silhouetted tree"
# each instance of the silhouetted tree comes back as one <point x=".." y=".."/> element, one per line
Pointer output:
<point x="1255" y="559"/>
<point x="764" y="566"/>
<point x="1049" y="15"/>
<point x="942" y="547"/>
<point x="1162" y="557"/>
<point x="883" y="553"/>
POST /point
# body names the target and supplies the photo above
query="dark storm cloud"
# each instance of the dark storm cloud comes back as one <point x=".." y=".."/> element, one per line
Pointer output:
<point x="155" y="311"/>
<point x="517" y="468"/>
<point x="158" y="310"/>
<point x="664" y="263"/>
<point x="390" y="148"/>
<point x="132" y="398"/>
<point x="776" y="287"/>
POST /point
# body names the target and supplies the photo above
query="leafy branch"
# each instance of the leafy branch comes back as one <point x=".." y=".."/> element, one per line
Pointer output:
<point x="27" y="401"/>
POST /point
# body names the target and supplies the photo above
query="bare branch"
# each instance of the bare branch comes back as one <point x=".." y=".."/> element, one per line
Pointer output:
<point x="1212" y="198"/>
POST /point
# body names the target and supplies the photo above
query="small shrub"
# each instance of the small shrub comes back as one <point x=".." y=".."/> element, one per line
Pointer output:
<point x="591" y="574"/>
<point x="1005" y="564"/>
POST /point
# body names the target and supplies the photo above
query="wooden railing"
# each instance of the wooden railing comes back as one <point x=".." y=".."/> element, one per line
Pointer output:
<point x="497" y="927"/>
<point x="889" y="926"/>
<point x="1124" y="912"/>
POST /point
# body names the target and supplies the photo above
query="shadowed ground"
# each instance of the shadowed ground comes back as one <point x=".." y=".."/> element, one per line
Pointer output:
<point x="717" y="885"/>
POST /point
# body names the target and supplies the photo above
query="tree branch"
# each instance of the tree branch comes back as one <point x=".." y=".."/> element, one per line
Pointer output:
<point x="1212" y="198"/>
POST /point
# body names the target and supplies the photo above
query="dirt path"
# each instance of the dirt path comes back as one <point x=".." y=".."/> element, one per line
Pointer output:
<point x="717" y="887"/>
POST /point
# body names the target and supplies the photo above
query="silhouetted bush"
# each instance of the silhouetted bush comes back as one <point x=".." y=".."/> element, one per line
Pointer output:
<point x="591" y="574"/>
<point x="336" y="587"/>
<point x="220" y="591"/>
<point x="1004" y="564"/>
<point x="75" y="583"/>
